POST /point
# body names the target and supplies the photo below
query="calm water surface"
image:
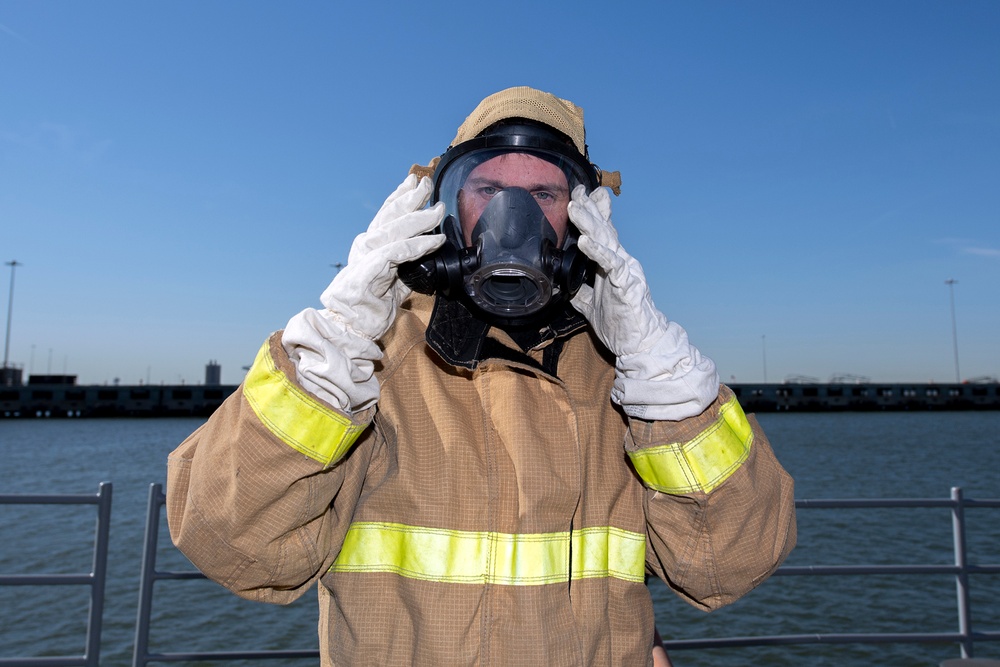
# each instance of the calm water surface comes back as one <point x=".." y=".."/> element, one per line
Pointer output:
<point x="830" y="456"/>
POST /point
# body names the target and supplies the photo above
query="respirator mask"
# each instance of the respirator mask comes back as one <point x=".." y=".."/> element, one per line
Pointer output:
<point x="511" y="252"/>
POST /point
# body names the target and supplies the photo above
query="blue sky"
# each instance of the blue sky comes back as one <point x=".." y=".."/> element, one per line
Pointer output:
<point x="800" y="178"/>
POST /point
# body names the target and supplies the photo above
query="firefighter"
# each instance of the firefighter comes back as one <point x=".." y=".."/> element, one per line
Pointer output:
<point x="489" y="434"/>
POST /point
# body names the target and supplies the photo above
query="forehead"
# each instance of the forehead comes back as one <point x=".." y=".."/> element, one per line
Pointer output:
<point x="520" y="168"/>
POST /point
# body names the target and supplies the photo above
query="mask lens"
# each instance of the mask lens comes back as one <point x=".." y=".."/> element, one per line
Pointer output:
<point x="455" y="188"/>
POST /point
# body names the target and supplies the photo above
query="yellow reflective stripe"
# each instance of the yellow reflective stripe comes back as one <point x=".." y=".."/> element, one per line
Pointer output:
<point x="473" y="557"/>
<point x="295" y="417"/>
<point x="701" y="464"/>
<point x="608" y="552"/>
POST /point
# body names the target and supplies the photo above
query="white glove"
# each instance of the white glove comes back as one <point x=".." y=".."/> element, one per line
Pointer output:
<point x="660" y="375"/>
<point x="334" y="350"/>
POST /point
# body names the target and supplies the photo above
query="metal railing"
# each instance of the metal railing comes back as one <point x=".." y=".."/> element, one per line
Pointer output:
<point x="95" y="579"/>
<point x="962" y="570"/>
<point x="965" y="637"/>
<point x="150" y="575"/>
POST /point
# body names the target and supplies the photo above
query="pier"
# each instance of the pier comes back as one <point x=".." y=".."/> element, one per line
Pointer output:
<point x="867" y="396"/>
<point x="60" y="397"/>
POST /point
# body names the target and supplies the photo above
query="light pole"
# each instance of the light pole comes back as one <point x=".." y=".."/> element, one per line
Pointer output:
<point x="951" y="282"/>
<point x="13" y="264"/>
<point x="763" y="350"/>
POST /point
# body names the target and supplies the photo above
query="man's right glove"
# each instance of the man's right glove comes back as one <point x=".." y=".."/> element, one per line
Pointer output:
<point x="660" y="375"/>
<point x="334" y="350"/>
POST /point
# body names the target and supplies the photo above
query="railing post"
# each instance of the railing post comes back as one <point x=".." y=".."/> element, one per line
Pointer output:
<point x="147" y="578"/>
<point x="99" y="572"/>
<point x="962" y="577"/>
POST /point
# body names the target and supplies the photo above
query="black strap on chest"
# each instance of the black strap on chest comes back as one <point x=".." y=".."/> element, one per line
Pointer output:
<point x="461" y="339"/>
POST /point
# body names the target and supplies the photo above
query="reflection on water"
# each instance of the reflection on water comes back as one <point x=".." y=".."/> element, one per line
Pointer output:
<point x="830" y="455"/>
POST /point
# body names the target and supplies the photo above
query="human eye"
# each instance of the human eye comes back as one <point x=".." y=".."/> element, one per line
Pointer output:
<point x="549" y="195"/>
<point x="482" y="189"/>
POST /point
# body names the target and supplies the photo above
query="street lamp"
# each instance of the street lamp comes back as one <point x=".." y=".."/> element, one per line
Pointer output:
<point x="13" y="264"/>
<point x="951" y="282"/>
<point x="763" y="350"/>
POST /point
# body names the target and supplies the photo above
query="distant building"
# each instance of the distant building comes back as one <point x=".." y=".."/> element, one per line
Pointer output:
<point x="51" y="379"/>
<point x="10" y="376"/>
<point x="213" y="374"/>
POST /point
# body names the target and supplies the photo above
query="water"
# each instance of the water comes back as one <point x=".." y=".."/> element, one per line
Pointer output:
<point x="845" y="455"/>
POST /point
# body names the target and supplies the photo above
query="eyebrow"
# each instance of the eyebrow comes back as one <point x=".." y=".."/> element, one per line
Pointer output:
<point x="480" y="181"/>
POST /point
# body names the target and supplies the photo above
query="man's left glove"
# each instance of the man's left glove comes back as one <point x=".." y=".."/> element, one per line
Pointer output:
<point x="660" y="375"/>
<point x="334" y="350"/>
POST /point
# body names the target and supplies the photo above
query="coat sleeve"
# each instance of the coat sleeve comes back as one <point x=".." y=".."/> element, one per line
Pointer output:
<point x="260" y="497"/>
<point x="720" y="508"/>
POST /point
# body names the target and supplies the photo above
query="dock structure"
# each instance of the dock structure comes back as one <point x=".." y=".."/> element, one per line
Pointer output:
<point x="60" y="396"/>
<point x="64" y="398"/>
<point x="867" y="396"/>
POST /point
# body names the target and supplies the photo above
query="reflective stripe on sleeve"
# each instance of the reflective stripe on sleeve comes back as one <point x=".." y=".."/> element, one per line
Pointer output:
<point x="471" y="557"/>
<point x="703" y="463"/>
<point x="293" y="416"/>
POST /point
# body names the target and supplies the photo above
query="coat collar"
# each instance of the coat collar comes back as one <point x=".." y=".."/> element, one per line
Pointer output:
<point x="462" y="339"/>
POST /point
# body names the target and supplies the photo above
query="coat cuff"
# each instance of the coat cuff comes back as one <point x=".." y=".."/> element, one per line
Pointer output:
<point x="293" y="415"/>
<point x="695" y="455"/>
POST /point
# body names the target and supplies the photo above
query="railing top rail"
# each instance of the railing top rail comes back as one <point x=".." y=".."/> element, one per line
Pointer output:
<point x="824" y="638"/>
<point x="102" y="495"/>
<point x="869" y="503"/>
<point x="48" y="499"/>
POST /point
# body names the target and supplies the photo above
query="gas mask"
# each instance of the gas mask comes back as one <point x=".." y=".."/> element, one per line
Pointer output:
<point x="510" y="253"/>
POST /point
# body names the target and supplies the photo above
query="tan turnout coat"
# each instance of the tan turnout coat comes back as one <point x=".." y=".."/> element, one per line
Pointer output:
<point x="492" y="516"/>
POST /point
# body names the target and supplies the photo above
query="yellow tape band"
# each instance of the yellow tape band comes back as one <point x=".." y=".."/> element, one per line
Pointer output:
<point x="295" y="417"/>
<point x="701" y="464"/>
<point x="470" y="557"/>
<point x="608" y="552"/>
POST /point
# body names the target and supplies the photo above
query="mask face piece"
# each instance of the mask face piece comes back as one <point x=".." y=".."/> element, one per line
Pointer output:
<point x="510" y="253"/>
<point x="513" y="243"/>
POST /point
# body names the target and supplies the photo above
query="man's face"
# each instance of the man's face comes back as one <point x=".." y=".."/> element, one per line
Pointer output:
<point x="545" y="181"/>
